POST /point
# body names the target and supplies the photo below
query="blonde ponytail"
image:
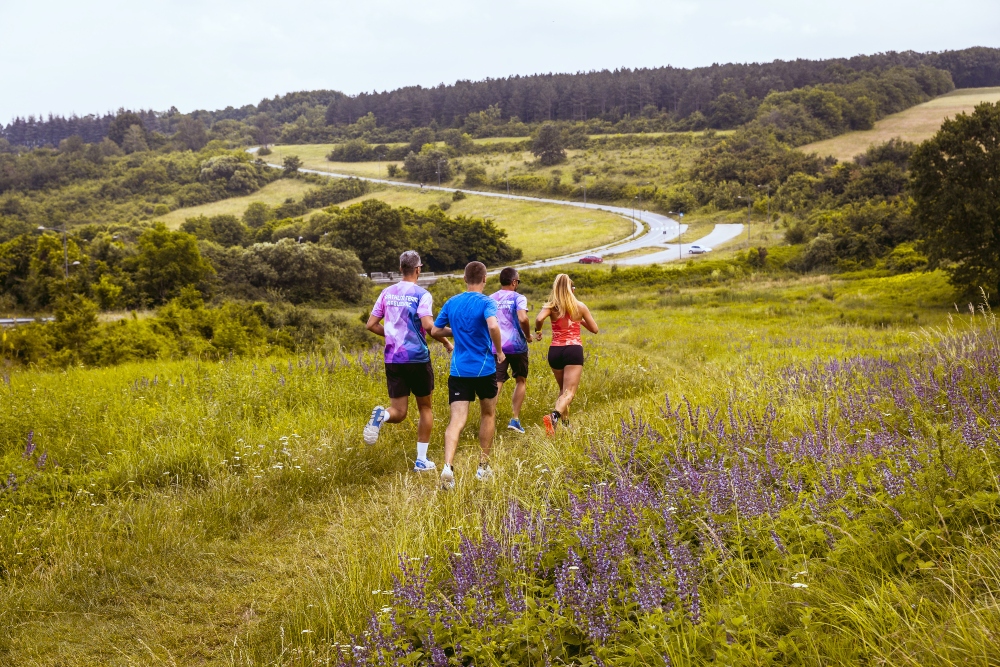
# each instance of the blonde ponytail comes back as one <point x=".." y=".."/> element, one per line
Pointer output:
<point x="562" y="301"/>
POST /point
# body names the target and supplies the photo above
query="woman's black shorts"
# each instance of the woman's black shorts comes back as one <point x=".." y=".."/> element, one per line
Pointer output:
<point x="561" y="356"/>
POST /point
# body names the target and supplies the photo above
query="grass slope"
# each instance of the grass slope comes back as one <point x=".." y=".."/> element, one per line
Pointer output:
<point x="641" y="164"/>
<point x="916" y="124"/>
<point x="313" y="156"/>
<point x="271" y="194"/>
<point x="540" y="230"/>
<point x="227" y="514"/>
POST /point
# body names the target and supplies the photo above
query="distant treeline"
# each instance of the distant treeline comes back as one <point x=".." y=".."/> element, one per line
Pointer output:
<point x="720" y="96"/>
<point x="611" y="95"/>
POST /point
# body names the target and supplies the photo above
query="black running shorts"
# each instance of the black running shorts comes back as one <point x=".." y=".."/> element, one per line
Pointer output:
<point x="467" y="389"/>
<point x="404" y="379"/>
<point x="561" y="356"/>
<point x="513" y="365"/>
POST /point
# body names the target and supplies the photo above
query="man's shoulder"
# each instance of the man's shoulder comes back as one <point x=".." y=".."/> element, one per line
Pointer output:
<point x="503" y="295"/>
<point x="391" y="290"/>
<point x="470" y="297"/>
<point x="403" y="288"/>
<point x="410" y="288"/>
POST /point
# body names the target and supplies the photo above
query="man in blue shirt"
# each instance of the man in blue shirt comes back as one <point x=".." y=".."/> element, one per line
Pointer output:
<point x="471" y="319"/>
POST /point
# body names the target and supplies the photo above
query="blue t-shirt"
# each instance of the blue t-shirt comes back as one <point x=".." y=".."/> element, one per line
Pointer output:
<point x="466" y="314"/>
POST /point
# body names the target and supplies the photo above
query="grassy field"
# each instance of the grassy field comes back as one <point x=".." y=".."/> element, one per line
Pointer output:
<point x="314" y="157"/>
<point x="658" y="165"/>
<point x="916" y="124"/>
<point x="228" y="513"/>
<point x="540" y="230"/>
<point x="271" y="194"/>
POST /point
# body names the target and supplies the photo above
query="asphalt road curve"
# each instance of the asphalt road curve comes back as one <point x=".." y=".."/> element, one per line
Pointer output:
<point x="652" y="231"/>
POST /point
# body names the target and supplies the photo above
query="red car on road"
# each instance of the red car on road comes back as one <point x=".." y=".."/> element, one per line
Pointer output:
<point x="591" y="259"/>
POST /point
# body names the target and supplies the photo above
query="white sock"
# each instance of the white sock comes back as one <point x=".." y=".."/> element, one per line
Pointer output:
<point x="422" y="450"/>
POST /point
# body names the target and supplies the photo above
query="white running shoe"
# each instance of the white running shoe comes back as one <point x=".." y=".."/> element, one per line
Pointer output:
<point x="424" y="465"/>
<point x="447" y="478"/>
<point x="485" y="473"/>
<point x="374" y="425"/>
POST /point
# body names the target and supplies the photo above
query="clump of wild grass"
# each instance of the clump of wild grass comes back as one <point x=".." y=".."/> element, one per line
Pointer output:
<point x="740" y="533"/>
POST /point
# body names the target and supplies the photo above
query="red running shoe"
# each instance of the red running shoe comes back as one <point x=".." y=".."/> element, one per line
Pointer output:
<point x="550" y="425"/>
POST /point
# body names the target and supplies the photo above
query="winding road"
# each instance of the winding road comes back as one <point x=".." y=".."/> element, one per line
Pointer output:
<point x="653" y="231"/>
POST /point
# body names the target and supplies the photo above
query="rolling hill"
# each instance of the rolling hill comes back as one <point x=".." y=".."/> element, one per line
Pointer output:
<point x="916" y="124"/>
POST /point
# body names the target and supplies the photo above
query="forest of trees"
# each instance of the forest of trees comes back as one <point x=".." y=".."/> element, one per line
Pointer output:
<point x="611" y="95"/>
<point x="719" y="96"/>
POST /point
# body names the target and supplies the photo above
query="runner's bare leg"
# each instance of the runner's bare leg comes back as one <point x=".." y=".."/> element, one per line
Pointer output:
<point x="398" y="408"/>
<point x="520" y="391"/>
<point x="426" y="407"/>
<point x="570" y="383"/>
<point x="487" y="427"/>
<point x="459" y="415"/>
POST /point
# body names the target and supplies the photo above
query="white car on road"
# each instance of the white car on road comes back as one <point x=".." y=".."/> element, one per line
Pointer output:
<point x="698" y="250"/>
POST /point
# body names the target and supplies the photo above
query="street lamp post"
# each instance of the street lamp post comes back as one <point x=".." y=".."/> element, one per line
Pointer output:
<point x="380" y="156"/>
<point x="767" y="189"/>
<point x="680" y="231"/>
<point x="640" y="200"/>
<point x="506" y="177"/>
<point x="440" y="160"/>
<point x="634" y="199"/>
<point x="585" y="188"/>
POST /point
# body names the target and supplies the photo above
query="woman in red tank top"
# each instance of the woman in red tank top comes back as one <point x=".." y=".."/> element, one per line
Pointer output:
<point x="566" y="351"/>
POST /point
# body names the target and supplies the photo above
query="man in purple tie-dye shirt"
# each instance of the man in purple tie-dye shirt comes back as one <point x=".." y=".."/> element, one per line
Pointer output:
<point x="402" y="314"/>
<point x="515" y="330"/>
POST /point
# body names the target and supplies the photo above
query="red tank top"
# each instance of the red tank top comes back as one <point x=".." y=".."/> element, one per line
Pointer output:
<point x="565" y="332"/>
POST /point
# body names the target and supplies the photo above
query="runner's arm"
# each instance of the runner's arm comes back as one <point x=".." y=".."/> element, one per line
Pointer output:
<point x="440" y="332"/>
<point x="427" y="322"/>
<point x="522" y="319"/>
<point x="494" y="327"/>
<point x="540" y="320"/>
<point x="374" y="325"/>
<point x="588" y="319"/>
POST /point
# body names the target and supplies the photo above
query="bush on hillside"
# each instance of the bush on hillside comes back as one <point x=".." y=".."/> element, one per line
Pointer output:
<point x="185" y="327"/>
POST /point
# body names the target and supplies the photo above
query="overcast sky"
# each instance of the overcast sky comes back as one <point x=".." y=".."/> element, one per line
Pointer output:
<point x="84" y="57"/>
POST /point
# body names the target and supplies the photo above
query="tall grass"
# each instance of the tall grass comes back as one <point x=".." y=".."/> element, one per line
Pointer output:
<point x="227" y="513"/>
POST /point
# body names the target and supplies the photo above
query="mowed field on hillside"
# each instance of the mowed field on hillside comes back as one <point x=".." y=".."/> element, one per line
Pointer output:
<point x="271" y="194"/>
<point x="916" y="124"/>
<point x="660" y="164"/>
<point x="539" y="230"/>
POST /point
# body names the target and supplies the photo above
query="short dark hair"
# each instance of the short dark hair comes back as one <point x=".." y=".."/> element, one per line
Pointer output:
<point x="475" y="273"/>
<point x="508" y="276"/>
